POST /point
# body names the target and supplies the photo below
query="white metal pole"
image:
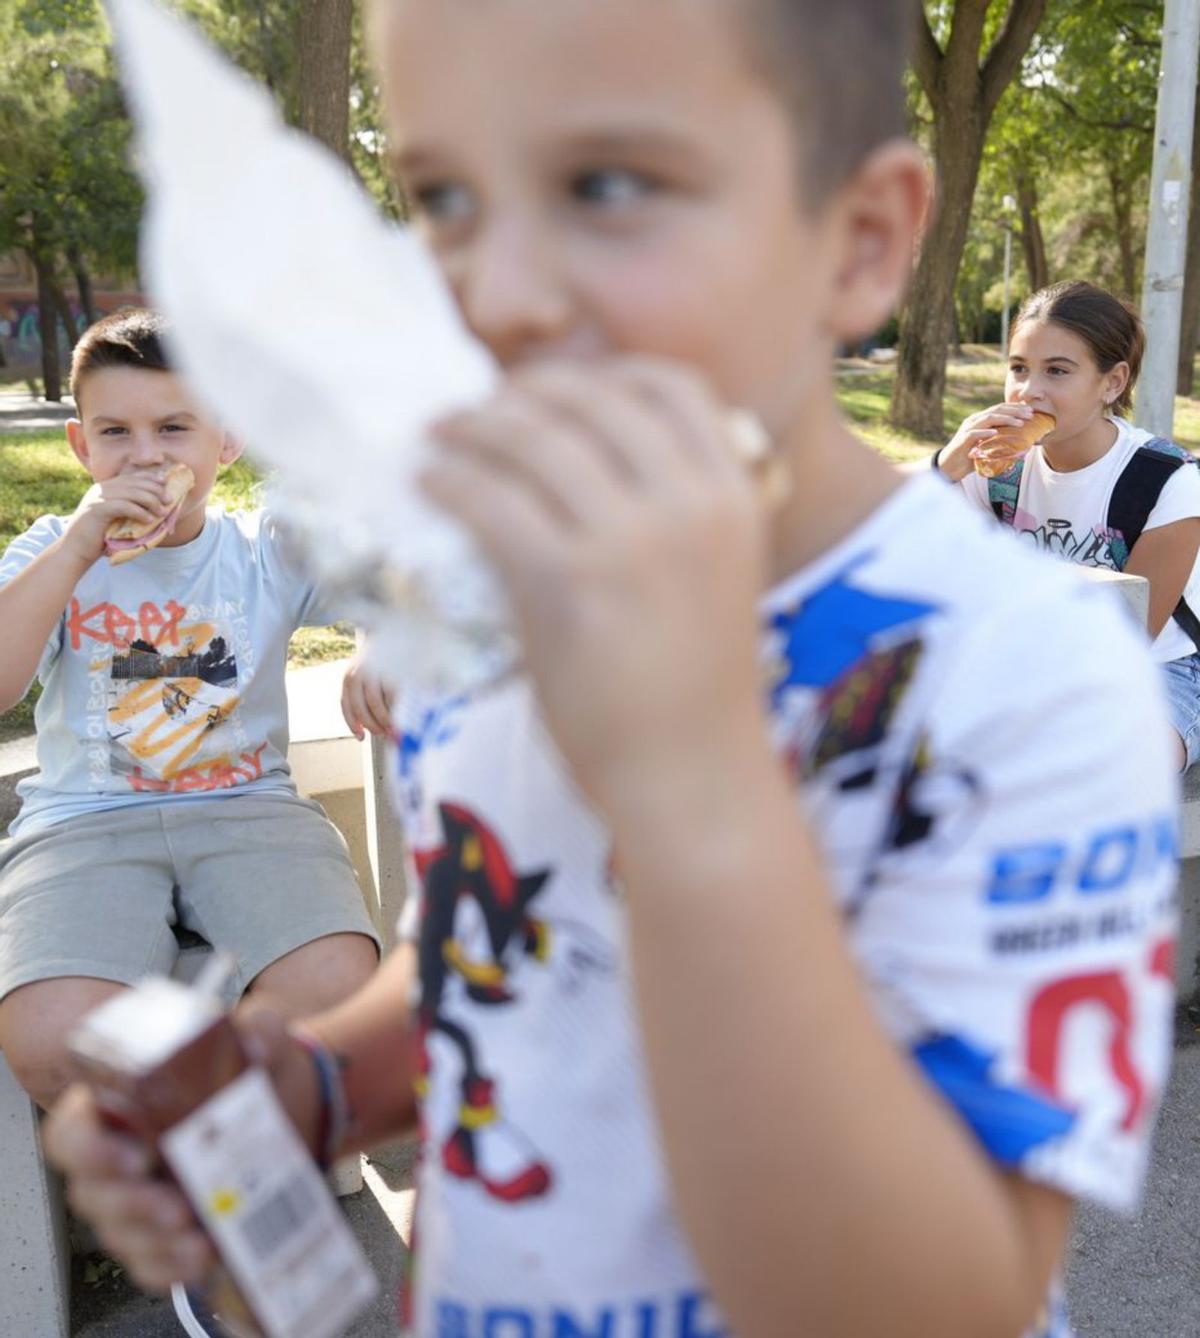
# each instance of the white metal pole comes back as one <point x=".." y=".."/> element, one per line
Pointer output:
<point x="1166" y="238"/>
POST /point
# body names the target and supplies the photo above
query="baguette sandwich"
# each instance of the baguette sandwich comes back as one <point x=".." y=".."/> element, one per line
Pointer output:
<point x="128" y="538"/>
<point x="999" y="452"/>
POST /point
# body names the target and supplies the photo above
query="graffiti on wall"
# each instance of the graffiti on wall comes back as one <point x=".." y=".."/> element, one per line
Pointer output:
<point x="20" y="333"/>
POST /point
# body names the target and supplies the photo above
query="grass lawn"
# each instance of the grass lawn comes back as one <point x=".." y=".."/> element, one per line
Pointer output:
<point x="38" y="473"/>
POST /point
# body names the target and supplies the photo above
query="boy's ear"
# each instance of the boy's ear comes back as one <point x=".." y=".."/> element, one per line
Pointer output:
<point x="231" y="449"/>
<point x="78" y="443"/>
<point x="882" y="212"/>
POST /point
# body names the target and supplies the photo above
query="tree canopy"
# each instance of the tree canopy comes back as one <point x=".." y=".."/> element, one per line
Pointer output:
<point x="1048" y="104"/>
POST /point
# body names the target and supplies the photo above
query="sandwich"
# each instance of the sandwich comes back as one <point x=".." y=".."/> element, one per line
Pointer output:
<point x="999" y="452"/>
<point x="755" y="451"/>
<point x="128" y="538"/>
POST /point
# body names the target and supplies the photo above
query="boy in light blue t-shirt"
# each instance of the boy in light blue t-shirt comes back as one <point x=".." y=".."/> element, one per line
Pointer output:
<point x="164" y="796"/>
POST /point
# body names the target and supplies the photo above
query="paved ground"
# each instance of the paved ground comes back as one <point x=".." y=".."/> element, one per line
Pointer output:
<point x="22" y="412"/>
<point x="109" y="1307"/>
<point x="1140" y="1278"/>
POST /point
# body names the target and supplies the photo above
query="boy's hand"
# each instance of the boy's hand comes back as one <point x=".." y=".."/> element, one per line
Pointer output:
<point x="977" y="430"/>
<point x="140" y="1217"/>
<point x="632" y="544"/>
<point x="134" y="496"/>
<point x="366" y="701"/>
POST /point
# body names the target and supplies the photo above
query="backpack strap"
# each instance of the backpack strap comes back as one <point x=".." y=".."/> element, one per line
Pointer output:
<point x="1003" y="490"/>
<point x="1135" y="495"/>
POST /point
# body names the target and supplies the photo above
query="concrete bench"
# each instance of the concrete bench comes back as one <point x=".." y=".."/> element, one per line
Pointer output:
<point x="347" y="777"/>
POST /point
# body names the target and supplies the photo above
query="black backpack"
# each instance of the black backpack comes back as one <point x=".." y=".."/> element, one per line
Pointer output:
<point x="1134" y="496"/>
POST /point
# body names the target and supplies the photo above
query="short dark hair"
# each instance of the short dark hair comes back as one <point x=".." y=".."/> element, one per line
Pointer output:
<point x="1111" y="328"/>
<point x="131" y="337"/>
<point x="840" y="65"/>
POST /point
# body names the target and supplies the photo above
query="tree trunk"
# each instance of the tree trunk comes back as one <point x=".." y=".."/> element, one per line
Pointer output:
<point x="83" y="283"/>
<point x="925" y="333"/>
<point x="1190" y="316"/>
<point x="1033" y="242"/>
<point x="324" y="72"/>
<point x="47" y="326"/>
<point x="963" y="90"/>
<point x="1122" y="203"/>
<point x="65" y="314"/>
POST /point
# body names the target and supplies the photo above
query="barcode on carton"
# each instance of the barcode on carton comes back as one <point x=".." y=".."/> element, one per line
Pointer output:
<point x="272" y="1224"/>
<point x="275" y="1224"/>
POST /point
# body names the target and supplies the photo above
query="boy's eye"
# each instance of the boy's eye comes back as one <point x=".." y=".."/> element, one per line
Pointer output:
<point x="112" y="432"/>
<point x="442" y="202"/>
<point x="174" y="427"/>
<point x="611" y="186"/>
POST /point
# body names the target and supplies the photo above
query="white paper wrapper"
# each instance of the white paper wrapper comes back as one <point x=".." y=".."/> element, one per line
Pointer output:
<point x="320" y="333"/>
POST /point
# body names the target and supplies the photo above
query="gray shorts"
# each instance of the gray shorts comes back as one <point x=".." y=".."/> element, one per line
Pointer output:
<point x="102" y="895"/>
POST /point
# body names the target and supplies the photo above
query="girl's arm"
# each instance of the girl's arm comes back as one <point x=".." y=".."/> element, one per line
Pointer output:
<point x="1165" y="557"/>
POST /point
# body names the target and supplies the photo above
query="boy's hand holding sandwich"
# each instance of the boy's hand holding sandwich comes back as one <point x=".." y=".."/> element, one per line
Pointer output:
<point x="132" y="507"/>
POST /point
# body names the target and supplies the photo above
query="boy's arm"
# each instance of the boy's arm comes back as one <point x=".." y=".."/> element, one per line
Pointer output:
<point x="826" y="1187"/>
<point x="34" y="598"/>
<point x="370" y="1035"/>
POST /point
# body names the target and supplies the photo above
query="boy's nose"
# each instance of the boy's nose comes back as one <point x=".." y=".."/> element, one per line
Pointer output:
<point x="512" y="293"/>
<point x="146" y="450"/>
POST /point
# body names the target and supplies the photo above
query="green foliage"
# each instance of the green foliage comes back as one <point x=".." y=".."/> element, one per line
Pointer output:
<point x="65" y="186"/>
<point x="1076" y="134"/>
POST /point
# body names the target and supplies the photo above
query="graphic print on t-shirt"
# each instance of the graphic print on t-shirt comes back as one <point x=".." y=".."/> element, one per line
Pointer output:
<point x="170" y="697"/>
<point x="845" y="659"/>
<point x="478" y="925"/>
<point x="1094" y="547"/>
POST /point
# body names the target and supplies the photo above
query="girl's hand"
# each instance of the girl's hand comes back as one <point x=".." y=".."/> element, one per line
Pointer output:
<point x="632" y="543"/>
<point x="137" y="495"/>
<point x="366" y="701"/>
<point x="977" y="430"/>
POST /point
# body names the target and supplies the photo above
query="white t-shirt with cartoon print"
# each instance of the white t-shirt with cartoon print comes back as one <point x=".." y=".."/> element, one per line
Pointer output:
<point x="164" y="677"/>
<point x="1067" y="514"/>
<point x="978" y="741"/>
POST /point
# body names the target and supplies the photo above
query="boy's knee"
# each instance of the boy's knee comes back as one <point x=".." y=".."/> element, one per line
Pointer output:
<point x="317" y="975"/>
<point x="35" y="1022"/>
<point x="41" y="1066"/>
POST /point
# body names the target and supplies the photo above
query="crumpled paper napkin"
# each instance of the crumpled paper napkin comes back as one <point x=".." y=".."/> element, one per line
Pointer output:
<point x="323" y="335"/>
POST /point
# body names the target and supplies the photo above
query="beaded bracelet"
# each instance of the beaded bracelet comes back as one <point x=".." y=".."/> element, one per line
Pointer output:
<point x="935" y="457"/>
<point x="331" y="1094"/>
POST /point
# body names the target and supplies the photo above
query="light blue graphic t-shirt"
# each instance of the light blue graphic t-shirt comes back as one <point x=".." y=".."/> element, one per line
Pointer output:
<point x="164" y="676"/>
